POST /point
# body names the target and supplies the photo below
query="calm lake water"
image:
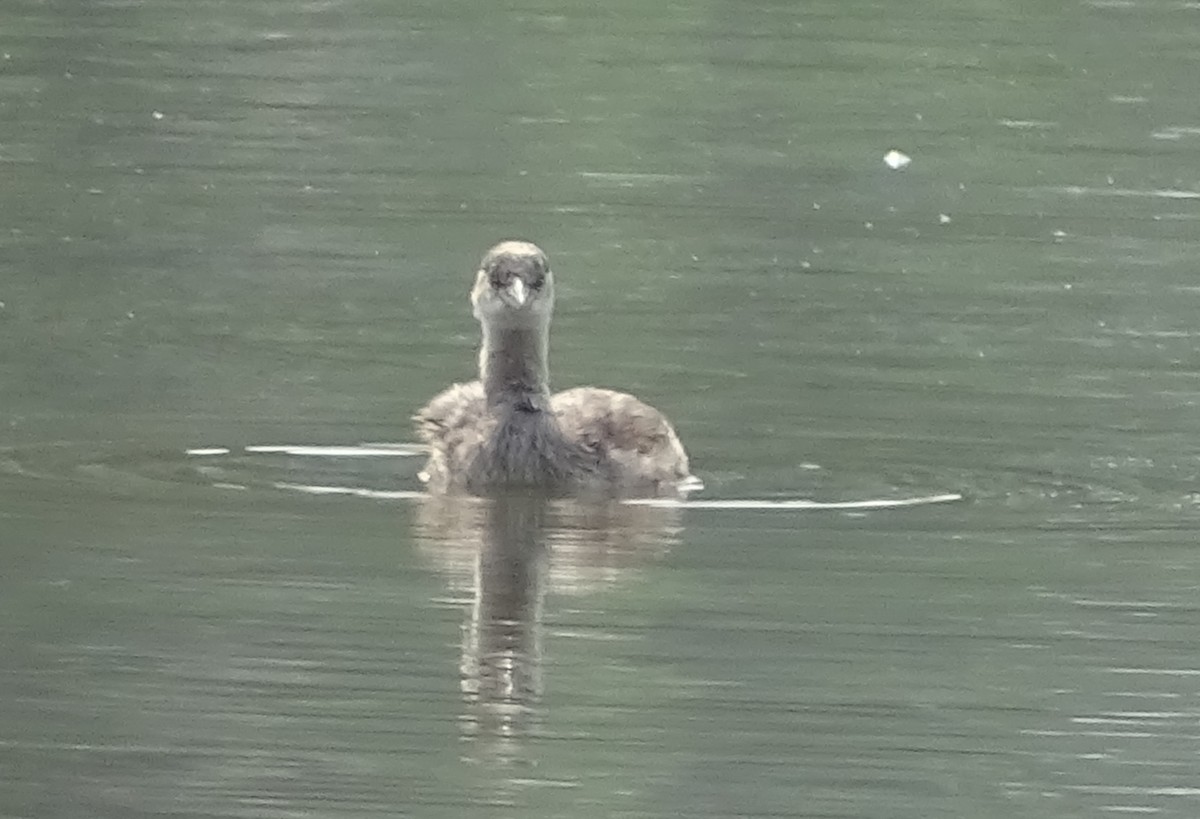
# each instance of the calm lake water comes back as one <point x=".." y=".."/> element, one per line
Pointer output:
<point x="230" y="226"/>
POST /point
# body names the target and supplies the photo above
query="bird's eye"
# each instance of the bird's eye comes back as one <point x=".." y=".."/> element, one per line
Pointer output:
<point x="536" y="282"/>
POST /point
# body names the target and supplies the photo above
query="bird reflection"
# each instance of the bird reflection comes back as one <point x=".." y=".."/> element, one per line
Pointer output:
<point x="501" y="651"/>
<point x="506" y="554"/>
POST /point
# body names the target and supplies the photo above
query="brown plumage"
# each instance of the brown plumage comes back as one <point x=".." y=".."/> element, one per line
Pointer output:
<point x="506" y="431"/>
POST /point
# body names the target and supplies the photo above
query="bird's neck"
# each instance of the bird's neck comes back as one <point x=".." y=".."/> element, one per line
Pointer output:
<point x="513" y="365"/>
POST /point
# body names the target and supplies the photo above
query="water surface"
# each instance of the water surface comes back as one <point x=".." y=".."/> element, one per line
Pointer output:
<point x="231" y="226"/>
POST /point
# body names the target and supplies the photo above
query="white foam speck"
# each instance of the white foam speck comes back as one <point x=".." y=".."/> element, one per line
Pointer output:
<point x="896" y="159"/>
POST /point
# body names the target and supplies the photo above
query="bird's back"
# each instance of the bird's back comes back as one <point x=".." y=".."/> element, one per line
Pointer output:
<point x="600" y="440"/>
<point x="636" y="443"/>
<point x="455" y="426"/>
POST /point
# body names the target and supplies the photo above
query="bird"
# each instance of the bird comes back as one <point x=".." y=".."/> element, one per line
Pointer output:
<point x="506" y="432"/>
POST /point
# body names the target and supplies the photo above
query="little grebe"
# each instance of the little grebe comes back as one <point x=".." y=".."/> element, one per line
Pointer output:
<point x="506" y="431"/>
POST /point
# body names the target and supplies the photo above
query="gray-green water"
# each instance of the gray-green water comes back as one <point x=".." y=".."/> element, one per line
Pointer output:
<point x="233" y="224"/>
